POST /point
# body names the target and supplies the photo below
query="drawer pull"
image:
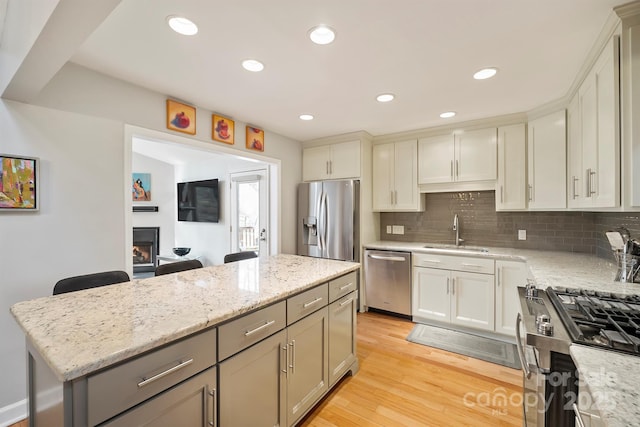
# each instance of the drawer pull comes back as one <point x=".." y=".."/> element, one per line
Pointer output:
<point x="179" y="366"/>
<point x="349" y="301"/>
<point x="433" y="261"/>
<point x="471" y="265"/>
<point x="348" y="285"/>
<point x="310" y="303"/>
<point x="259" y="328"/>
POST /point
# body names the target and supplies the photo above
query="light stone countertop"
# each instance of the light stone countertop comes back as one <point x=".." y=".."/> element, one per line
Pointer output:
<point x="79" y="332"/>
<point x="613" y="378"/>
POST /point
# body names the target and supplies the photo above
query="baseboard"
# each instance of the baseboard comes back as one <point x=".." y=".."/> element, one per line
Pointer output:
<point x="13" y="413"/>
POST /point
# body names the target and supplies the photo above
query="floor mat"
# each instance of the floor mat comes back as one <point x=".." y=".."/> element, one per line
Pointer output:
<point x="490" y="350"/>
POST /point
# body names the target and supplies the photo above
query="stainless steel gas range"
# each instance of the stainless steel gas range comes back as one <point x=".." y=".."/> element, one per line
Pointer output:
<point x="551" y="320"/>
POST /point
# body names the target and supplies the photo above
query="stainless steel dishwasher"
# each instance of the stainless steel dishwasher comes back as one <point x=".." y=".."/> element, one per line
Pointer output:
<point x="388" y="281"/>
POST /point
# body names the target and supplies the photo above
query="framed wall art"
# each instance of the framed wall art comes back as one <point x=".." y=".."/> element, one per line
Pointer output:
<point x="255" y="138"/>
<point x="19" y="183"/>
<point x="141" y="187"/>
<point x="223" y="129"/>
<point x="181" y="117"/>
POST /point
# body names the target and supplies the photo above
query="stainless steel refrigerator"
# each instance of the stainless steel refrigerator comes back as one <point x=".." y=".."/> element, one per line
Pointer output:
<point x="328" y="219"/>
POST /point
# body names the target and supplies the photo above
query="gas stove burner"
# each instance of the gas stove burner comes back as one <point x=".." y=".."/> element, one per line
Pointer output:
<point x="599" y="318"/>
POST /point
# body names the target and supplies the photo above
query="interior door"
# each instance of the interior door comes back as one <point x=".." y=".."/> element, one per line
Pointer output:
<point x="250" y="211"/>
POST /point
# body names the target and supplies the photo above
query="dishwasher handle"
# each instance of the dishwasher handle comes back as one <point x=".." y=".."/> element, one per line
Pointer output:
<point x="388" y="257"/>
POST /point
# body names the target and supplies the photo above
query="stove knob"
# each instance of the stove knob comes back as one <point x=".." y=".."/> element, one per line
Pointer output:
<point x="545" y="328"/>
<point x="530" y="290"/>
<point x="542" y="318"/>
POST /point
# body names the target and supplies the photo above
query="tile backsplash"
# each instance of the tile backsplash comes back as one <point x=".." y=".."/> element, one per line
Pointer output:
<point x="481" y="225"/>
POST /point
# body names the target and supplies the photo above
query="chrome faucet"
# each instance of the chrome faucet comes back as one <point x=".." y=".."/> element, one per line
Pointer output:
<point x="456" y="228"/>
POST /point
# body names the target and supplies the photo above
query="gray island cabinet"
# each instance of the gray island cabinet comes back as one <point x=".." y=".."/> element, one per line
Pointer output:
<point x="257" y="342"/>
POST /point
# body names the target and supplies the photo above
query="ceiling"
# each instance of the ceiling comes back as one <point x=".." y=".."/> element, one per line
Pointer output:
<point x="423" y="51"/>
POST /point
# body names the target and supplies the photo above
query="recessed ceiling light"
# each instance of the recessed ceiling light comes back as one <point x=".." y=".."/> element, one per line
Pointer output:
<point x="385" y="97"/>
<point x="322" y="34"/>
<point x="448" y="114"/>
<point x="182" y="25"/>
<point x="252" y="65"/>
<point x="306" y="117"/>
<point x="485" y="73"/>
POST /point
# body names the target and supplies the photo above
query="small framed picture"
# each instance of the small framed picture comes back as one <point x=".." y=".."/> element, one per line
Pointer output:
<point x="181" y="117"/>
<point x="19" y="183"/>
<point x="255" y="138"/>
<point x="223" y="129"/>
<point x="141" y="187"/>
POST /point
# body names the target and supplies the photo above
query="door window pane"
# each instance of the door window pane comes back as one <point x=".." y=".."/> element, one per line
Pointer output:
<point x="248" y="215"/>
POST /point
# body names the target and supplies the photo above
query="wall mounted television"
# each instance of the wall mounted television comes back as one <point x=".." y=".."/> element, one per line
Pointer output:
<point x="199" y="201"/>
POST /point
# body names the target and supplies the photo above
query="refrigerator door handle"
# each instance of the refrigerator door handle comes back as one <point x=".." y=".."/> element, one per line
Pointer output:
<point x="322" y="222"/>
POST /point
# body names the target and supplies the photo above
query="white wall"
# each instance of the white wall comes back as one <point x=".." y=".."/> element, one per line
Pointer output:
<point x="81" y="227"/>
<point x="208" y="240"/>
<point x="163" y="195"/>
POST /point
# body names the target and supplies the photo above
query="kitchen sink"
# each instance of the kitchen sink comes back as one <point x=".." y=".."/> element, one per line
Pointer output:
<point x="457" y="248"/>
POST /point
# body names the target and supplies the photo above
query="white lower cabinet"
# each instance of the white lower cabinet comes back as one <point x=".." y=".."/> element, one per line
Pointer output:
<point x="509" y="275"/>
<point x="484" y="296"/>
<point x="464" y="298"/>
<point x="472" y="300"/>
<point x="431" y="298"/>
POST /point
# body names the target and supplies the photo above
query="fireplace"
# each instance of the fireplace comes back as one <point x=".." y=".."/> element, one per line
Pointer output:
<point x="146" y="246"/>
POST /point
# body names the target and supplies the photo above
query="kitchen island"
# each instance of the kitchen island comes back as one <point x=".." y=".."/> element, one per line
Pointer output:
<point x="74" y="337"/>
<point x="610" y="377"/>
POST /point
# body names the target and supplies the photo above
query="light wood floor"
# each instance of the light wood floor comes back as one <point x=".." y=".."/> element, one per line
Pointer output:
<point x="406" y="384"/>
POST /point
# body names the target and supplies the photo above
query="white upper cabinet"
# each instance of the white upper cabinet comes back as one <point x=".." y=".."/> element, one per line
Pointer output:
<point x="594" y="135"/>
<point x="335" y="161"/>
<point x="511" y="187"/>
<point x="436" y="159"/>
<point x="546" y="162"/>
<point x="468" y="156"/>
<point x="395" y="177"/>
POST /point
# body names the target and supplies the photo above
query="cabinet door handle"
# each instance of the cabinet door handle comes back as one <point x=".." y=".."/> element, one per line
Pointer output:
<point x="451" y="170"/>
<point x="156" y="377"/>
<point x="457" y="170"/>
<point x="259" y="328"/>
<point x="578" y="415"/>
<point x="395" y="197"/>
<point x="453" y="286"/>
<point x="530" y="192"/>
<point x="292" y="364"/>
<point x="285" y="350"/>
<point x="391" y="196"/>
<point x="326" y="167"/>
<point x="588" y="173"/>
<point x="499" y="270"/>
<point x="501" y="194"/>
<point x="310" y="303"/>
<point x="592" y="175"/>
<point x="575" y="191"/>
<point x="211" y="395"/>
<point x="448" y="285"/>
<point x="330" y="167"/>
